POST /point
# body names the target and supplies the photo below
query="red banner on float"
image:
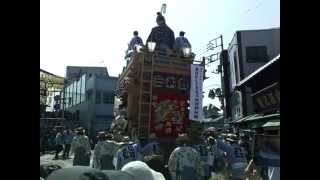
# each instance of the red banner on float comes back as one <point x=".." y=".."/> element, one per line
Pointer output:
<point x="169" y="113"/>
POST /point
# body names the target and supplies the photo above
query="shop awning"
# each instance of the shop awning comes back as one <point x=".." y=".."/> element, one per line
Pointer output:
<point x="272" y="124"/>
<point x="244" y="119"/>
<point x="257" y="120"/>
<point x="263" y="117"/>
<point x="250" y="78"/>
<point x="264" y="121"/>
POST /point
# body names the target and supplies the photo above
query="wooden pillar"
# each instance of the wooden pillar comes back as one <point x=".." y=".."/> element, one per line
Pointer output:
<point x="133" y="106"/>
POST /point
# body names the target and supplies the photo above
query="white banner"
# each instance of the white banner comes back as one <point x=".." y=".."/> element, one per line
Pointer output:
<point x="195" y="112"/>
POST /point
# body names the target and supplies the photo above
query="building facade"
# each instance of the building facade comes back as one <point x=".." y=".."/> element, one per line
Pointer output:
<point x="89" y="100"/>
<point x="74" y="72"/>
<point x="247" y="51"/>
<point x="51" y="87"/>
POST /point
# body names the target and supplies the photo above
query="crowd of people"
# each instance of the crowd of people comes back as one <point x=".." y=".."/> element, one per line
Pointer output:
<point x="195" y="157"/>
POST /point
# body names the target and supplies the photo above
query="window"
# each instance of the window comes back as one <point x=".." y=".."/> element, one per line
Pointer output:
<point x="66" y="91"/>
<point x="89" y="95"/>
<point x="83" y="88"/>
<point x="236" y="66"/>
<point x="108" y="98"/>
<point x="105" y="98"/>
<point x="98" y="97"/>
<point x="69" y="95"/>
<point x="77" y="92"/>
<point x="111" y="98"/>
<point x="74" y="91"/>
<point x="256" y="54"/>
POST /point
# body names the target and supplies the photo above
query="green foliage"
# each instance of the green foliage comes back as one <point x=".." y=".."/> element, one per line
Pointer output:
<point x="211" y="111"/>
<point x="47" y="81"/>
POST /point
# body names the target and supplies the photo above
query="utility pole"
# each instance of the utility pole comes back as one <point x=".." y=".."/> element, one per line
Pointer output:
<point x="215" y="56"/>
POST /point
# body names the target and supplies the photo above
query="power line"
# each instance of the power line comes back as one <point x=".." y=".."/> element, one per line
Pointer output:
<point x="211" y="86"/>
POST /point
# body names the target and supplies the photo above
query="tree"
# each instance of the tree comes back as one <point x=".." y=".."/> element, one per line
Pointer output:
<point x="47" y="84"/>
<point x="211" y="111"/>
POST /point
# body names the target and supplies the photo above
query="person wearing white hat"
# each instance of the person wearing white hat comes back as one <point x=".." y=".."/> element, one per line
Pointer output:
<point x="141" y="171"/>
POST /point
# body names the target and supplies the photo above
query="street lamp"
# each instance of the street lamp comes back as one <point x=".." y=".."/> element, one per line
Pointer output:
<point x="151" y="46"/>
<point x="186" y="52"/>
<point x="138" y="48"/>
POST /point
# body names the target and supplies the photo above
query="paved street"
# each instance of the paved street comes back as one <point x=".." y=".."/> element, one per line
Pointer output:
<point x="48" y="159"/>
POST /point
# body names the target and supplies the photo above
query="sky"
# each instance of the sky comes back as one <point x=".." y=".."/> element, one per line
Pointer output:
<point x="96" y="32"/>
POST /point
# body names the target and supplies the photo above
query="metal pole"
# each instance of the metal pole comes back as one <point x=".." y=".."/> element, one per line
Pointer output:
<point x="222" y="84"/>
<point x="221" y="42"/>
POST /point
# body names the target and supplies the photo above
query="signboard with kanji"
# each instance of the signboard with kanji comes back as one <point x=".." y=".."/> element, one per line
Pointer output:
<point x="267" y="99"/>
<point x="196" y="92"/>
<point x="169" y="104"/>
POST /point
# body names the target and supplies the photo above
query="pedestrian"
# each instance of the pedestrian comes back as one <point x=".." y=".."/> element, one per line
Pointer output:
<point x="195" y="132"/>
<point x="147" y="146"/>
<point x="68" y="136"/>
<point x="59" y="141"/>
<point x="185" y="162"/>
<point x="104" y="152"/>
<point x="162" y="35"/>
<point x="80" y="147"/>
<point x="236" y="160"/>
<point x="181" y="43"/>
<point x="136" y="40"/>
<point x="156" y="162"/>
<point x="206" y="156"/>
<point x="125" y="154"/>
<point x="141" y="171"/>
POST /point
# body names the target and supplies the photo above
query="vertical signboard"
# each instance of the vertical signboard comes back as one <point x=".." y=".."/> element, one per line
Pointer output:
<point x="195" y="112"/>
<point x="169" y="104"/>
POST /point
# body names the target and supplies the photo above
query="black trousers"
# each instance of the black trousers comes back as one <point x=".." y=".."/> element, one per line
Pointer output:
<point x="66" y="150"/>
<point x="59" y="148"/>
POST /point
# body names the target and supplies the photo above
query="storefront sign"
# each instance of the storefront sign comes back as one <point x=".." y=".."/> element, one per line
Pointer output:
<point x="195" y="112"/>
<point x="169" y="104"/>
<point x="170" y="81"/>
<point x="267" y="99"/>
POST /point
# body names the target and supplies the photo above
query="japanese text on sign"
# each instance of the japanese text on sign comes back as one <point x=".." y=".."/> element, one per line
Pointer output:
<point x="195" y="112"/>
